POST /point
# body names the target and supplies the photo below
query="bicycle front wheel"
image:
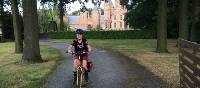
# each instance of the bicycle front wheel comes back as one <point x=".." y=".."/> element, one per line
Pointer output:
<point x="79" y="78"/>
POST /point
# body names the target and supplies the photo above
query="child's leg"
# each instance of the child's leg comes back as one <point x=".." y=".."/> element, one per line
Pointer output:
<point x="76" y="64"/>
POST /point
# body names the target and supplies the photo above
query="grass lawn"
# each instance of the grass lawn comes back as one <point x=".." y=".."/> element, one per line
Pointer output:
<point x="164" y="65"/>
<point x="13" y="74"/>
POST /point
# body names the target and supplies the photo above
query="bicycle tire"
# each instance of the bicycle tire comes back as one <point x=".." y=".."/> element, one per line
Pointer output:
<point x="79" y="73"/>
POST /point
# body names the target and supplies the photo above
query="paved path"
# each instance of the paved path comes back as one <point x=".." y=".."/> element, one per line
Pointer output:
<point x="111" y="70"/>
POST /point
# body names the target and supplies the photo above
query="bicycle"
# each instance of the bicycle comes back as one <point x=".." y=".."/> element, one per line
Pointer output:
<point x="80" y="70"/>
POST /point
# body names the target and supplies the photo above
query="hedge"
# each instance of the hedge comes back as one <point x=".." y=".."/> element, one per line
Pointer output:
<point x="128" y="34"/>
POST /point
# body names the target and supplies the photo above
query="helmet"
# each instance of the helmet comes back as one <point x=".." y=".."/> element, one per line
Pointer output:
<point x="79" y="31"/>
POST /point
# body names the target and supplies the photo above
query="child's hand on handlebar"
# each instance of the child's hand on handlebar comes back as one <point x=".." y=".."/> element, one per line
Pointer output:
<point x="70" y="52"/>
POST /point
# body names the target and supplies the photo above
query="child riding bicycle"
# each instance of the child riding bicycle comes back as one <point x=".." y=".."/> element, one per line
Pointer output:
<point x="80" y="44"/>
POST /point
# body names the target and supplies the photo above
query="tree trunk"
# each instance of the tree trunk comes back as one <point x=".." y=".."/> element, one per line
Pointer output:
<point x="61" y="10"/>
<point x="162" y="27"/>
<point x="99" y="20"/>
<point x="183" y="21"/>
<point x="1" y="20"/>
<point x="195" y="31"/>
<point x="17" y="27"/>
<point x="31" y="52"/>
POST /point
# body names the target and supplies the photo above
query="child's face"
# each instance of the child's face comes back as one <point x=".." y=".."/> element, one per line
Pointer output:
<point x="79" y="36"/>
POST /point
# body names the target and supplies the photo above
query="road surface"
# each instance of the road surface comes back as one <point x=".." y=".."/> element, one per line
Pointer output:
<point x="110" y="70"/>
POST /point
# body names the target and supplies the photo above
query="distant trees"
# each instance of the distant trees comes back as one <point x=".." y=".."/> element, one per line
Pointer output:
<point x="61" y="6"/>
<point x="195" y="30"/>
<point x="45" y="17"/>
<point x="146" y="14"/>
<point x="75" y="13"/>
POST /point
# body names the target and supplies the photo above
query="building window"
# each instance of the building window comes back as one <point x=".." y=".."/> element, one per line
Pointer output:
<point x="121" y="17"/>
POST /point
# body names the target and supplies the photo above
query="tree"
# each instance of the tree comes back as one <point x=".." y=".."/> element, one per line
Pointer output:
<point x="195" y="32"/>
<point x="183" y="21"/>
<point x="17" y="27"/>
<point x="45" y="16"/>
<point x="162" y="26"/>
<point x="31" y="52"/>
<point x="1" y="18"/>
<point x="61" y="14"/>
<point x="142" y="14"/>
<point x="61" y="6"/>
<point x="75" y="13"/>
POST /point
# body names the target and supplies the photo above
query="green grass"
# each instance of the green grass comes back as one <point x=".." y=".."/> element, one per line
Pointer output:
<point x="14" y="74"/>
<point x="163" y="65"/>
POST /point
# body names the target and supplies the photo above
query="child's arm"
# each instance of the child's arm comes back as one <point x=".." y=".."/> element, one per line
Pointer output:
<point x="70" y="49"/>
<point x="89" y="49"/>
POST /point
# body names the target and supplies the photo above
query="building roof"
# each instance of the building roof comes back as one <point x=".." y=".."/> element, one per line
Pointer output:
<point x="74" y="19"/>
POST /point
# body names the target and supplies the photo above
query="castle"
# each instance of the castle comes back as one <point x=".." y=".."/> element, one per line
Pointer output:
<point x="112" y="19"/>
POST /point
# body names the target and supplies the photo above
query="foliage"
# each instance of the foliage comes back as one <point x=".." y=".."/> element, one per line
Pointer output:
<point x="8" y="26"/>
<point x="142" y="14"/>
<point x="56" y="1"/>
<point x="129" y="34"/>
<point x="46" y="15"/>
<point x="75" y="13"/>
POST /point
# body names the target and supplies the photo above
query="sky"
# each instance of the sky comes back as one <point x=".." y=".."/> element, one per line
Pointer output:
<point x="76" y="6"/>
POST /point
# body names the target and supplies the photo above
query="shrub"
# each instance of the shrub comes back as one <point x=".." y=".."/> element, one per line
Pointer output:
<point x="128" y="34"/>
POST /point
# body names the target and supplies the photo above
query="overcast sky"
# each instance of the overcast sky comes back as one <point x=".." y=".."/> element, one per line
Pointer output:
<point x="76" y="6"/>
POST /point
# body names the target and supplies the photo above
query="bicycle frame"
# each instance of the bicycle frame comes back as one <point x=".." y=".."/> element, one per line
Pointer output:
<point x="80" y="75"/>
<point x="80" y="70"/>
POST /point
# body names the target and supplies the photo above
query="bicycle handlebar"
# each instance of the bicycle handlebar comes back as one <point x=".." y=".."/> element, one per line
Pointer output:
<point x="76" y="53"/>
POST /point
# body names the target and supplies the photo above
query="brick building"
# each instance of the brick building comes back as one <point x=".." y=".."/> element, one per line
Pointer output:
<point x="113" y="18"/>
